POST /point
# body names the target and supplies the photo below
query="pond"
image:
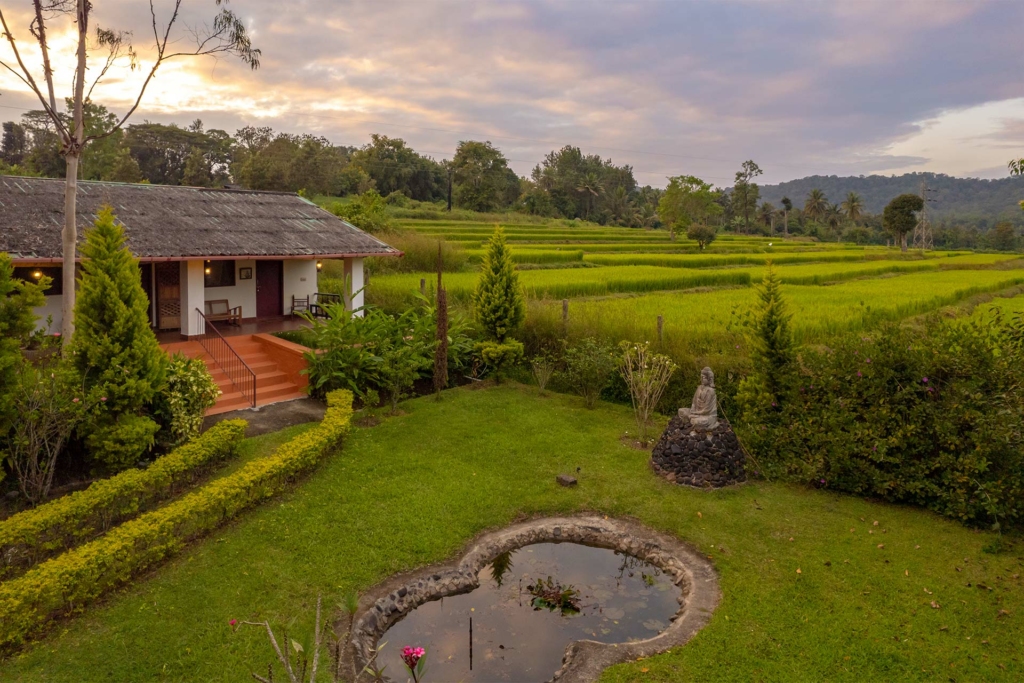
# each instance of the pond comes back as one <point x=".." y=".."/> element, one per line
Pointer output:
<point x="502" y="632"/>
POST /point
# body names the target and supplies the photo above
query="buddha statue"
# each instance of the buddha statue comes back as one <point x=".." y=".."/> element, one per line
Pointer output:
<point x="703" y="411"/>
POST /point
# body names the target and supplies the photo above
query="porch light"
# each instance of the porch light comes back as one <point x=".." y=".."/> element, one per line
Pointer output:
<point x="319" y="265"/>
<point x="207" y="270"/>
<point x="37" y="274"/>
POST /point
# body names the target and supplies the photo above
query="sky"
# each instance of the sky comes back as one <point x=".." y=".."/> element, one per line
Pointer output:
<point x="845" y="87"/>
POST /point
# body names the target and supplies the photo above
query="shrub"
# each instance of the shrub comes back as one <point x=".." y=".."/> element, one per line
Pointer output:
<point x="34" y="535"/>
<point x="49" y="406"/>
<point x="189" y="392"/>
<point x="542" y="367"/>
<point x="119" y="445"/>
<point x="589" y="364"/>
<point x="500" y="357"/>
<point x="367" y="211"/>
<point x="703" y="235"/>
<point x="500" y="307"/>
<point x="114" y="349"/>
<point x="67" y="583"/>
<point x="420" y="255"/>
<point x="647" y="375"/>
<point x="932" y="417"/>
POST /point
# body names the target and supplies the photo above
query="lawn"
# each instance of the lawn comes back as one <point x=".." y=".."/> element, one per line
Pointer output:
<point x="816" y="586"/>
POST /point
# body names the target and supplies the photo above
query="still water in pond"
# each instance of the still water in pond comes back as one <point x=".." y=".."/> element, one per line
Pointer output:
<point x="513" y="638"/>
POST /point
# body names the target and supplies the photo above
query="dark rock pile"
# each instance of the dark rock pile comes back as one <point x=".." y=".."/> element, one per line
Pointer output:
<point x="696" y="457"/>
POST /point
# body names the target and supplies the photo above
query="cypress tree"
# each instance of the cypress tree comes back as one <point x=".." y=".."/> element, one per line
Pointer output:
<point x="500" y="307"/>
<point x="116" y="353"/>
<point x="773" y="342"/>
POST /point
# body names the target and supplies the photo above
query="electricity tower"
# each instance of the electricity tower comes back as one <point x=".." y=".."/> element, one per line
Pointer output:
<point x="923" y="229"/>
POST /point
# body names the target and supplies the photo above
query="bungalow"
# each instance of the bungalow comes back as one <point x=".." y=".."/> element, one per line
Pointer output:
<point x="257" y="251"/>
<point x="221" y="268"/>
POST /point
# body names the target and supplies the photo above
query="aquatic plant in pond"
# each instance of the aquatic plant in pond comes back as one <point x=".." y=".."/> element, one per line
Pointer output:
<point x="516" y="627"/>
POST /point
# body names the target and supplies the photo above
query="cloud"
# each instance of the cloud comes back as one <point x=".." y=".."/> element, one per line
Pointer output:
<point x="668" y="87"/>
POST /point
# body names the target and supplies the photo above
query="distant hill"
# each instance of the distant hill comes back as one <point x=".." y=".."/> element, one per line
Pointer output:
<point x="967" y="200"/>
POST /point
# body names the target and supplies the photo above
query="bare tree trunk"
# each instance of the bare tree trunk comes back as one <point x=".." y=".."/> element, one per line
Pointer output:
<point x="903" y="242"/>
<point x="69" y="239"/>
<point x="785" y="223"/>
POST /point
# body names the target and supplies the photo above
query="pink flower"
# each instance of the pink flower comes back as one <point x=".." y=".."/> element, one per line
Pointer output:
<point x="412" y="655"/>
<point x="74" y="400"/>
<point x="103" y="398"/>
<point x="858" y="374"/>
<point x="233" y="623"/>
<point x="925" y="380"/>
<point x="868" y="360"/>
<point x="56" y="334"/>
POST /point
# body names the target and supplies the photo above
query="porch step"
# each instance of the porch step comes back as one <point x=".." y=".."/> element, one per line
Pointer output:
<point x="272" y="384"/>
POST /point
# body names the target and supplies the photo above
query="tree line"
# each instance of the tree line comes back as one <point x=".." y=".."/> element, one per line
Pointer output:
<point x="567" y="183"/>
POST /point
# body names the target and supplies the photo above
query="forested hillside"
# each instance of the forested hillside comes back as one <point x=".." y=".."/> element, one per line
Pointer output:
<point x="968" y="200"/>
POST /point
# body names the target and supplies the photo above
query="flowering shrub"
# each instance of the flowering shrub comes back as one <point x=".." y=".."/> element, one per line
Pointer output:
<point x="35" y="535"/>
<point x="589" y="364"/>
<point x="933" y="417"/>
<point x="190" y="391"/>
<point x="68" y="582"/>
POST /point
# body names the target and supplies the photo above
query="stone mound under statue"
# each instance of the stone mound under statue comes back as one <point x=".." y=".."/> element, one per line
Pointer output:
<point x="697" y="449"/>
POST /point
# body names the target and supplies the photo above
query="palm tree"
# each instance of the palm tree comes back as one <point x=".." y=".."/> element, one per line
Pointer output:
<point x="853" y="207"/>
<point x="620" y="205"/>
<point x="591" y="189"/>
<point x="816" y="205"/>
<point x="767" y="216"/>
<point x="787" y="206"/>
<point x="834" y="217"/>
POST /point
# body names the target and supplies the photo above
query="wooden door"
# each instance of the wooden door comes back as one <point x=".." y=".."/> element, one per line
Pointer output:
<point x="168" y="295"/>
<point x="269" y="288"/>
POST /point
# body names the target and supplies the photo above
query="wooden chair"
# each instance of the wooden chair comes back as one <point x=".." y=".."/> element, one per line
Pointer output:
<point x="300" y="304"/>
<point x="323" y="300"/>
<point x="219" y="309"/>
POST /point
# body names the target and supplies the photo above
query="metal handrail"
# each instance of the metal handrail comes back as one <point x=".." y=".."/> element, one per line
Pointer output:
<point x="227" y="359"/>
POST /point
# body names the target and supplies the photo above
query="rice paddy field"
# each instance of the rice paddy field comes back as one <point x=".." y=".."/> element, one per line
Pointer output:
<point x="616" y="282"/>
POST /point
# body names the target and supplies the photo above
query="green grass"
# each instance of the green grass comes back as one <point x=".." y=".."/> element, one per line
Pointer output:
<point x="709" y="323"/>
<point x="417" y="488"/>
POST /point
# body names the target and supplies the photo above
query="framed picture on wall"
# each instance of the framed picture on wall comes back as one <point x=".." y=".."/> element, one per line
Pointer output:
<point x="245" y="273"/>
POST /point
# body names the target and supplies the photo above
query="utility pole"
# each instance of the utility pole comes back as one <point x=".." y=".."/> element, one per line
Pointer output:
<point x="923" y="230"/>
<point x="450" y="168"/>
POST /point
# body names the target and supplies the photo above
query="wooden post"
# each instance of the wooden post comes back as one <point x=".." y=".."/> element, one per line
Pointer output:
<point x="423" y="286"/>
<point x="661" y="326"/>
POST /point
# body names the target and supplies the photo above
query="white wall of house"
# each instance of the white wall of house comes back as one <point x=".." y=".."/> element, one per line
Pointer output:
<point x="193" y="296"/>
<point x="354" y="277"/>
<point x="52" y="307"/>
<point x="299" y="281"/>
<point x="243" y="293"/>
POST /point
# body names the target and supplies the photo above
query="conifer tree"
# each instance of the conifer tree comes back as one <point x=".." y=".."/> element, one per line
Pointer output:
<point x="115" y="351"/>
<point x="500" y="307"/>
<point x="773" y="354"/>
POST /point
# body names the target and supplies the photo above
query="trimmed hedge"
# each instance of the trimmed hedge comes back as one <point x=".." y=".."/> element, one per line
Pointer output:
<point x="67" y="583"/>
<point x="32" y="536"/>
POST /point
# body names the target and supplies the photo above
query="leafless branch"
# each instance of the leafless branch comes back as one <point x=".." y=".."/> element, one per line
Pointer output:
<point x="118" y="44"/>
<point x="26" y="77"/>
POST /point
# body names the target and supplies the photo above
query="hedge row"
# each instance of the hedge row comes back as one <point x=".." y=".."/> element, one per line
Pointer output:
<point x="38" y="534"/>
<point x="67" y="583"/>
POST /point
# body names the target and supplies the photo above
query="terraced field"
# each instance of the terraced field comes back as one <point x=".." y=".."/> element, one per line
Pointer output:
<point x="618" y="281"/>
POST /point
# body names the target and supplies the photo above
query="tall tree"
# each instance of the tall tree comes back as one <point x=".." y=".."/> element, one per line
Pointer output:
<point x="899" y="217"/>
<point x="787" y="206"/>
<point x="746" y="193"/>
<point x="853" y="207"/>
<point x="227" y="35"/>
<point x="767" y="216"/>
<point x="687" y="200"/>
<point x="590" y="188"/>
<point x="482" y="177"/>
<point x="115" y="351"/>
<point x="816" y="205"/>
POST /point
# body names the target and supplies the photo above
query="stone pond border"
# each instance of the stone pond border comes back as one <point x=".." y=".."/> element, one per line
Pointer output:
<point x="584" y="660"/>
